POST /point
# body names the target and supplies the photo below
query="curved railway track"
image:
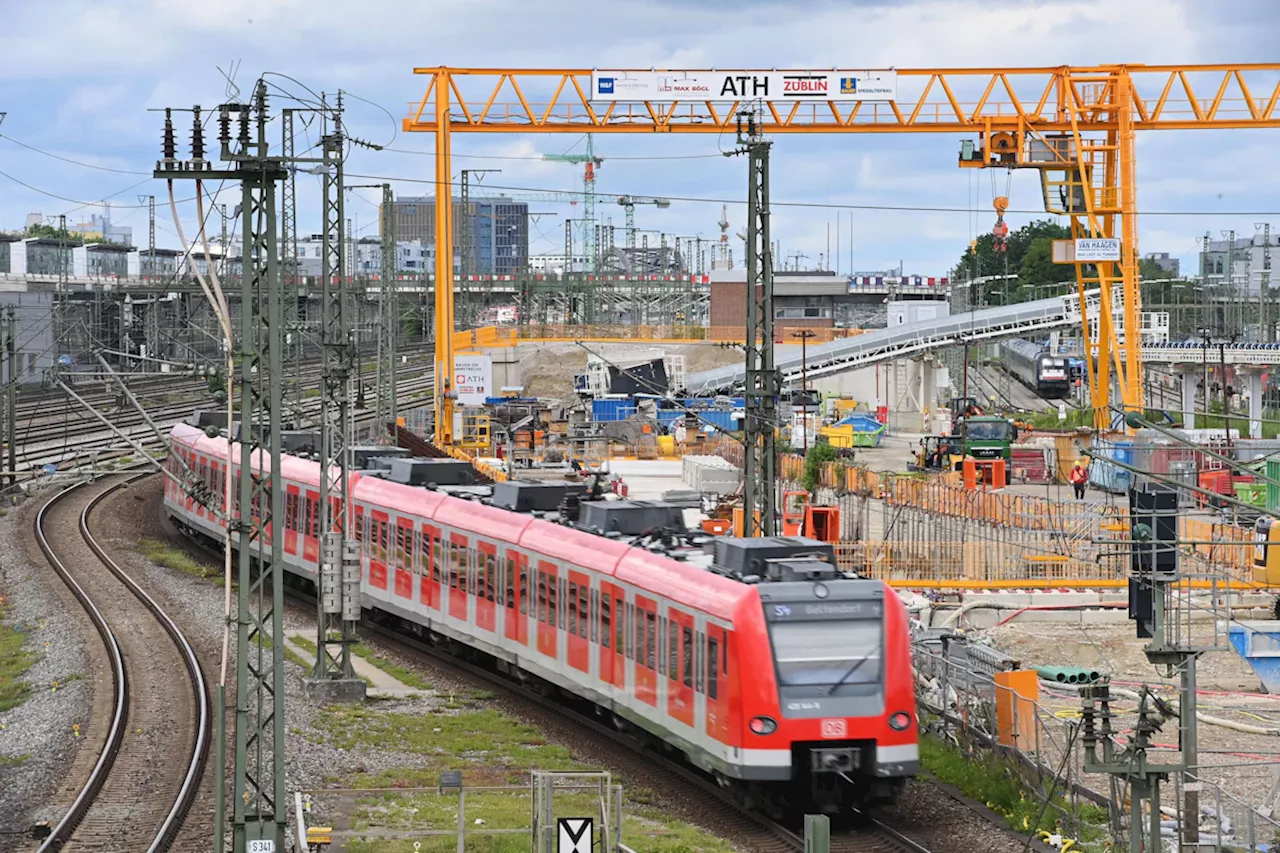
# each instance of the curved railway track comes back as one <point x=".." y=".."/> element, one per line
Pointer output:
<point x="151" y="728"/>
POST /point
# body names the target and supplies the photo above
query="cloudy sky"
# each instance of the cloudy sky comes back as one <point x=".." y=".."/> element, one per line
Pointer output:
<point x="77" y="79"/>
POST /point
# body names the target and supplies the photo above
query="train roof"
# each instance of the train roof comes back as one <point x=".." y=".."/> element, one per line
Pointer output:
<point x="690" y="583"/>
<point x="292" y="467"/>
<point x="1023" y="347"/>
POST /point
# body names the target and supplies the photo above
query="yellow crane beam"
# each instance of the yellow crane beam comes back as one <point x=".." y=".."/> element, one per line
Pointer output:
<point x="1098" y="108"/>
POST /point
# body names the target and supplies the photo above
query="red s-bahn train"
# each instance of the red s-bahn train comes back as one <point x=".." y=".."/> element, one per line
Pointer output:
<point x="774" y="673"/>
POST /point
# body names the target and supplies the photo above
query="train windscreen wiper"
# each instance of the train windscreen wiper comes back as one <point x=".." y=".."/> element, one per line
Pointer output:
<point x="856" y="666"/>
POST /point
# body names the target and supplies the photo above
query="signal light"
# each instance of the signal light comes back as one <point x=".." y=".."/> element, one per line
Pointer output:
<point x="763" y="725"/>
<point x="900" y="721"/>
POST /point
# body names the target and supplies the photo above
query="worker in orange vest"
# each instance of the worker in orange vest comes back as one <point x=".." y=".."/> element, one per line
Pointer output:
<point x="1079" y="477"/>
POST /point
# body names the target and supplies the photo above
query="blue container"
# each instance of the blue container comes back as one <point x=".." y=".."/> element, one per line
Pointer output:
<point x="1258" y="642"/>
<point x="1108" y="477"/>
<point x="612" y="408"/>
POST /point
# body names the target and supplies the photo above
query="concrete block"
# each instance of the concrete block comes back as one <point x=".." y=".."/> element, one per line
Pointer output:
<point x="1002" y="599"/>
<point x="1110" y="616"/>
<point x="330" y="690"/>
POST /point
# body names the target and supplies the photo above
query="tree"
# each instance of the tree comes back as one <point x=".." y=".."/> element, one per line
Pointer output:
<point x="1039" y="273"/>
<point x="982" y="260"/>
<point x="1149" y="270"/>
<point x="48" y="232"/>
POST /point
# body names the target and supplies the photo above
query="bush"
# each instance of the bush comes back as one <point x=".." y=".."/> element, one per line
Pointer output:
<point x="818" y="455"/>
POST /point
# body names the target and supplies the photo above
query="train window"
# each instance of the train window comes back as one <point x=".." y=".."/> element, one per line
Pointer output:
<point x="673" y="652"/>
<point x="400" y="547"/>
<point x="687" y="656"/>
<point x="419" y="552"/>
<point x="511" y="582"/>
<point x="651" y="640"/>
<point x="490" y="577"/>
<point x="524" y="588"/>
<point x="662" y="645"/>
<point x="637" y="629"/>
<point x="542" y="596"/>
<point x="451" y="568"/>
<point x="606" y="624"/>
<point x="620" y="624"/>
<point x="584" y="612"/>
<point x="553" y="602"/>
<point x="437" y="557"/>
<point x="713" y="660"/>
<point x="724" y="655"/>
<point x="573" y="607"/>
<point x="698" y="669"/>
<point x="631" y="637"/>
<point x="595" y="609"/>
<point x="383" y="537"/>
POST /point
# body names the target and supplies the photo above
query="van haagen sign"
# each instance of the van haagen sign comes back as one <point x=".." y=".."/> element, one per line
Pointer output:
<point x="770" y="86"/>
<point x="472" y="378"/>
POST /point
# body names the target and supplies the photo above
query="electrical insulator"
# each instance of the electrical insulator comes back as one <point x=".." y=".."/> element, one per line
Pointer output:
<point x="224" y="125"/>
<point x="170" y="145"/>
<point x="244" y="129"/>
<point x="197" y="135"/>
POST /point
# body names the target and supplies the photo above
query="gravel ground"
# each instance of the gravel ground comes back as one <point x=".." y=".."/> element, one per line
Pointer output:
<point x="1241" y="762"/>
<point x="41" y="727"/>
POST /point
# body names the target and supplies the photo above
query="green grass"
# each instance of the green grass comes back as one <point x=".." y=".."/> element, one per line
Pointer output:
<point x="491" y="749"/>
<point x="13" y="760"/>
<point x="310" y="647"/>
<point x="401" y="673"/>
<point x="989" y="779"/>
<point x="643" y="827"/>
<point x="15" y="661"/>
<point x="172" y="558"/>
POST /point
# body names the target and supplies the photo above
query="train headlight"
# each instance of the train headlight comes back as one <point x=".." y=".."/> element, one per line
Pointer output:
<point x="900" y="721"/>
<point x="763" y="725"/>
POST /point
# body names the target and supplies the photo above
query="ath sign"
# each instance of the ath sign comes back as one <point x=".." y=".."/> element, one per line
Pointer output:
<point x="472" y="378"/>
<point x="773" y="86"/>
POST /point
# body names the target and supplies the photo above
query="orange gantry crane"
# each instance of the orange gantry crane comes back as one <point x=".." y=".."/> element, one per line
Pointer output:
<point x="1076" y="125"/>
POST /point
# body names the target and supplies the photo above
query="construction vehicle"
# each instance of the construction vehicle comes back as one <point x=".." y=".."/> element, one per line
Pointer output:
<point x="963" y="407"/>
<point x="939" y="453"/>
<point x="986" y="437"/>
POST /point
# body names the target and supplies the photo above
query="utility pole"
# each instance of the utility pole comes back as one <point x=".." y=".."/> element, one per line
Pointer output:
<point x="1154" y="577"/>
<point x="759" y="471"/>
<point x="388" y="411"/>
<point x="258" y="792"/>
<point x="804" y="335"/>
<point x="338" y="604"/>
<point x="150" y="201"/>
<point x="10" y="393"/>
<point x="1264" y="285"/>
<point x="467" y="244"/>
<point x="294" y="292"/>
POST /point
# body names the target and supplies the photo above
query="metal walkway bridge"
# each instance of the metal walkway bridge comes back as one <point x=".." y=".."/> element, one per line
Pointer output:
<point x="1010" y="321"/>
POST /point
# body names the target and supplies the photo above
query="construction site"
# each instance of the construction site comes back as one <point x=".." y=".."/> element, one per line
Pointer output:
<point x="1031" y="498"/>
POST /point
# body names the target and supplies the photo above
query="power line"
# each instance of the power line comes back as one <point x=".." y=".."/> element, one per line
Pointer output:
<point x="515" y="157"/>
<point x="69" y="160"/>
<point x="571" y="194"/>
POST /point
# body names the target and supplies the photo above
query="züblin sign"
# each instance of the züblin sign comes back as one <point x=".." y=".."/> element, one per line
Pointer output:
<point x="744" y="85"/>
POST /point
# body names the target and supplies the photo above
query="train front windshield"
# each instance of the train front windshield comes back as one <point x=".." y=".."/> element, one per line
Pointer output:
<point x="827" y="654"/>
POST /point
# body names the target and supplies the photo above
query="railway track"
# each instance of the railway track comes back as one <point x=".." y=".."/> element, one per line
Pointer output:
<point x="88" y="444"/>
<point x="148" y="738"/>
<point x="639" y="763"/>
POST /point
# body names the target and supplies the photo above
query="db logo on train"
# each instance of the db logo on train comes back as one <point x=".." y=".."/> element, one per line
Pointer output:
<point x="835" y="729"/>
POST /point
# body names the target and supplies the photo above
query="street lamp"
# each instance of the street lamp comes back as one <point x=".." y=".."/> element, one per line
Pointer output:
<point x="804" y="335"/>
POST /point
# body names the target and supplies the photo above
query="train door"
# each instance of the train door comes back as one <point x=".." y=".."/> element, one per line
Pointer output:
<point x="516" y="622"/>
<point x="699" y="675"/>
<point x="576" y="603"/>
<point x="646" y="631"/>
<point x="717" y="693"/>
<point x="429" y="567"/>
<point x="379" y="536"/>
<point x="404" y="559"/>
<point x="486" y="590"/>
<point x="292" y="498"/>
<point x="547" y="630"/>
<point x="459" y="575"/>
<point x="311" y="527"/>
<point x="605" y="646"/>
<point x="680" y="667"/>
